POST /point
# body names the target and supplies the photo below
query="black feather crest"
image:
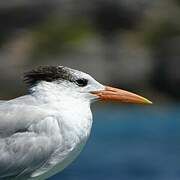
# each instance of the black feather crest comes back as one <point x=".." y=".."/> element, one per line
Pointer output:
<point x="48" y="73"/>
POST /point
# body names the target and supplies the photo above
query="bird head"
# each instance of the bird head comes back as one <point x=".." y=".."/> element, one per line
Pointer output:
<point x="77" y="84"/>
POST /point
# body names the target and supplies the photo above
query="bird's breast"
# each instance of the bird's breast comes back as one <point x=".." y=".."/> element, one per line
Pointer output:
<point x="74" y="130"/>
<point x="75" y="127"/>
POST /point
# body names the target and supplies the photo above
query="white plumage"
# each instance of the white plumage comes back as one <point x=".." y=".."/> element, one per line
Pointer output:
<point x="42" y="132"/>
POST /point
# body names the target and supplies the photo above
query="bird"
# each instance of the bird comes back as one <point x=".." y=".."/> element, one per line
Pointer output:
<point x="43" y="131"/>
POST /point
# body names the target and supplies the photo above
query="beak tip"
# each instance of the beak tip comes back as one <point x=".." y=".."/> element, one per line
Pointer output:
<point x="146" y="101"/>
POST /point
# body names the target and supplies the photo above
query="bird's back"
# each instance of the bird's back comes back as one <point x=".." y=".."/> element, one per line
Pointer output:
<point x="23" y="146"/>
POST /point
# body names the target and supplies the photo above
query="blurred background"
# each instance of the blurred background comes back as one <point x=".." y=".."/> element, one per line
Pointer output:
<point x="132" y="44"/>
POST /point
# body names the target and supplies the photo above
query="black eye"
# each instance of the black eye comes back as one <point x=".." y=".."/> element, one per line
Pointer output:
<point x="81" y="82"/>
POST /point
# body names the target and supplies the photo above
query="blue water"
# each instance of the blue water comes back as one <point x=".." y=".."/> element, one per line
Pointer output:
<point x="130" y="143"/>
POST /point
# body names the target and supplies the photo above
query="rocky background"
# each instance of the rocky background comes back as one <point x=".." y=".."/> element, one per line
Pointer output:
<point x="132" y="44"/>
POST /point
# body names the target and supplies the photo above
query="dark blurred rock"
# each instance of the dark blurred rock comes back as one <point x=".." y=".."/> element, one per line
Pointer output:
<point x="111" y="16"/>
<point x="20" y="17"/>
<point x="167" y="67"/>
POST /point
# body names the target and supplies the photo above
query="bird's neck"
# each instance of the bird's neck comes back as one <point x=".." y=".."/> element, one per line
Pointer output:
<point x="75" y="110"/>
<point x="50" y="93"/>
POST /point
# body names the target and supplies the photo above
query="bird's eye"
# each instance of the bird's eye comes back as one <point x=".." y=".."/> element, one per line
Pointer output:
<point x="81" y="82"/>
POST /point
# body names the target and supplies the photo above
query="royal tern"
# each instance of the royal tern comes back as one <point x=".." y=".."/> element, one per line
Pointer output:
<point x="44" y="131"/>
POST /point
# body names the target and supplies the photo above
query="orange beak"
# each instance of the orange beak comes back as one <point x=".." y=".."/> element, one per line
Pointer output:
<point x="115" y="94"/>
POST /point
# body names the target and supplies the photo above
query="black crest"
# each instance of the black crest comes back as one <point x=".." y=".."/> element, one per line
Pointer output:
<point x="49" y="74"/>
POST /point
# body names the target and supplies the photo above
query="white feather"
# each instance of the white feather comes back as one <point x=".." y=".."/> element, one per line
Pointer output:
<point x="41" y="133"/>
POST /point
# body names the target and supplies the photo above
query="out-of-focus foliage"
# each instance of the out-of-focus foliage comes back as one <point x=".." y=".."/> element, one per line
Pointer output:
<point x="52" y="37"/>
